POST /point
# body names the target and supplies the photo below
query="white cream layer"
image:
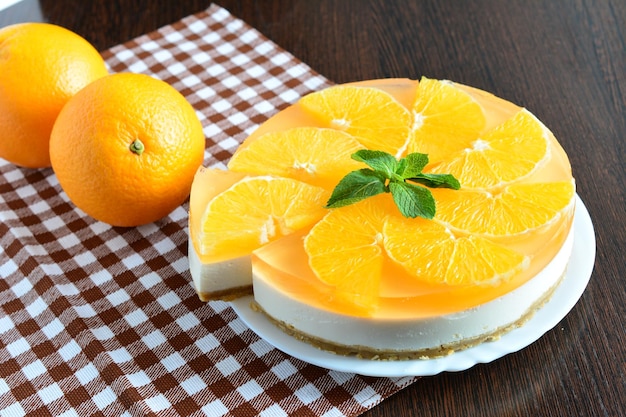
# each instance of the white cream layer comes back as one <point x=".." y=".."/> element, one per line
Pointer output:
<point x="408" y="335"/>
<point x="219" y="276"/>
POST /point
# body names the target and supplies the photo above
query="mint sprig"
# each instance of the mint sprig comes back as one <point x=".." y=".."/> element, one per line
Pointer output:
<point x="390" y="175"/>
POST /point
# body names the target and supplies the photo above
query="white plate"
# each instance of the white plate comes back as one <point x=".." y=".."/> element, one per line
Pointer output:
<point x="563" y="300"/>
<point x="7" y="3"/>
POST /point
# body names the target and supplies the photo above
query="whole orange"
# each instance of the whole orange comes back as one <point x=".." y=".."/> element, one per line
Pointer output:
<point x="125" y="149"/>
<point x="41" y="66"/>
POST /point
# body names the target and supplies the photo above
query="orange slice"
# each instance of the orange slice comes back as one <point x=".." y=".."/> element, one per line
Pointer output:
<point x="445" y="120"/>
<point x="255" y="211"/>
<point x="345" y="250"/>
<point x="518" y="208"/>
<point x="375" y="117"/>
<point x="316" y="156"/>
<point x="207" y="183"/>
<point x="509" y="152"/>
<point x="432" y="254"/>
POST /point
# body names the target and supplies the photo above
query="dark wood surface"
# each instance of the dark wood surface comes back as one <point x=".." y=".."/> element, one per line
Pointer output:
<point x="564" y="60"/>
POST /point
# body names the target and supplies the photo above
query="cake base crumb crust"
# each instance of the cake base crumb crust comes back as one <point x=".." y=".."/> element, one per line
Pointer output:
<point x="226" y="295"/>
<point x="365" y="352"/>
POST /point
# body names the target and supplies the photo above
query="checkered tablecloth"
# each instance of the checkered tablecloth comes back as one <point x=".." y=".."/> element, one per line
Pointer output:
<point x="104" y="321"/>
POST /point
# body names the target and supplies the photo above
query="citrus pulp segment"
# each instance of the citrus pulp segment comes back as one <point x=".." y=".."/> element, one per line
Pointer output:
<point x="432" y="254"/>
<point x="317" y="156"/>
<point x="445" y="120"/>
<point x="375" y="117"/>
<point x="516" y="209"/>
<point x="507" y="153"/>
<point x="255" y="211"/>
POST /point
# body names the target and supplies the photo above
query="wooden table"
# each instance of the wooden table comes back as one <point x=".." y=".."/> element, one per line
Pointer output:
<point x="565" y="61"/>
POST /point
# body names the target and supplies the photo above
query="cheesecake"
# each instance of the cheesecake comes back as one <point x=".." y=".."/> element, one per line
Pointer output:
<point x="492" y="254"/>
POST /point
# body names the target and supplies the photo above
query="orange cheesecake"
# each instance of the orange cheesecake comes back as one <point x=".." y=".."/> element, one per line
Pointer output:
<point x="385" y="274"/>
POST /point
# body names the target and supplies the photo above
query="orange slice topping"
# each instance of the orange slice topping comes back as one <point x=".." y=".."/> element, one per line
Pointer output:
<point x="314" y="155"/>
<point x="445" y="120"/>
<point x="432" y="254"/>
<point x="345" y="250"/>
<point x="507" y="153"/>
<point x="255" y="211"/>
<point x="375" y="117"/>
<point x="518" y="208"/>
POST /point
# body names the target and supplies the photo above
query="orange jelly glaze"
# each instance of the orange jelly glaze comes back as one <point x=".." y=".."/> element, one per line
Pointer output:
<point x="284" y="263"/>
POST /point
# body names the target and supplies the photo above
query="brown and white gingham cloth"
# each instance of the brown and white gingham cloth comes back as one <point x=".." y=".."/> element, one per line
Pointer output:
<point x="104" y="321"/>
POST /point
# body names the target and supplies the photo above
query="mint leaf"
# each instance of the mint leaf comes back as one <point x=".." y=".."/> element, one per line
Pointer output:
<point x="401" y="168"/>
<point x="357" y="186"/>
<point x="413" y="200"/>
<point x="415" y="163"/>
<point x="379" y="161"/>
<point x="437" y="180"/>
<point x="387" y="174"/>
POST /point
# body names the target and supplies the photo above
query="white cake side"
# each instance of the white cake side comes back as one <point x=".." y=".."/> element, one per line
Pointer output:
<point x="220" y="280"/>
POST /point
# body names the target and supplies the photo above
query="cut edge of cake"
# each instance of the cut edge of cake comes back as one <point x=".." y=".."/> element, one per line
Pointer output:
<point x="225" y="280"/>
